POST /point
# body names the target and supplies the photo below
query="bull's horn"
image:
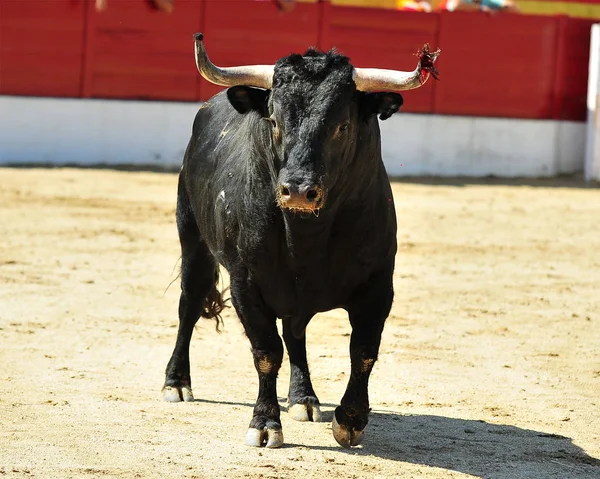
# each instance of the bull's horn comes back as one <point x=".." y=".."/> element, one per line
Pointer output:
<point x="375" y="79"/>
<point x="260" y="76"/>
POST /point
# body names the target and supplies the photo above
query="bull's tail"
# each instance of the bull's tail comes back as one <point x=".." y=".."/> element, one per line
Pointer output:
<point x="214" y="304"/>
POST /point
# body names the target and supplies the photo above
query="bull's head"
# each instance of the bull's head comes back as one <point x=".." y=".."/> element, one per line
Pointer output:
<point x="316" y="105"/>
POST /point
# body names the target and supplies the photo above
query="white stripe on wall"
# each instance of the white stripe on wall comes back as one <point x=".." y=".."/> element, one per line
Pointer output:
<point x="592" y="151"/>
<point x="59" y="132"/>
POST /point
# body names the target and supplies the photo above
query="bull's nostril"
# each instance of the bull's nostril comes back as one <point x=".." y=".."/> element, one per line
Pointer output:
<point x="285" y="192"/>
<point x="312" y="195"/>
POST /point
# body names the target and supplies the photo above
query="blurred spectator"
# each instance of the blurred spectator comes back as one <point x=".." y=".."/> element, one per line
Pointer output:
<point x="498" y="6"/>
<point x="284" y="5"/>
<point x="490" y="6"/>
<point x="164" y="5"/>
<point x="167" y="5"/>
<point x="413" y="6"/>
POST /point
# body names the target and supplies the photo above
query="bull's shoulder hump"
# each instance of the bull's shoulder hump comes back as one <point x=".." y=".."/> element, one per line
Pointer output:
<point x="213" y="111"/>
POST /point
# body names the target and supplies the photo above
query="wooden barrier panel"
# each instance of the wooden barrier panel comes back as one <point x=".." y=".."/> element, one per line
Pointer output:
<point x="256" y="32"/>
<point x="134" y="51"/>
<point x="501" y="65"/>
<point x="573" y="53"/>
<point x="41" y="47"/>
<point x="384" y="39"/>
<point x="497" y="65"/>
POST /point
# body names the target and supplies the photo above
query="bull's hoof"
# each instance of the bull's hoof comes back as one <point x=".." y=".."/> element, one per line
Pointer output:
<point x="305" y="412"/>
<point x="177" y="394"/>
<point x="346" y="436"/>
<point x="270" y="438"/>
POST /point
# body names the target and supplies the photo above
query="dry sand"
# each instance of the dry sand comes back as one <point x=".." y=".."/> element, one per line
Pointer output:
<point x="489" y="364"/>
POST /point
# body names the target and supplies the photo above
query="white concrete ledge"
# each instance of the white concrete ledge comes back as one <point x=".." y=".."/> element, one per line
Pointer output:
<point x="592" y="149"/>
<point x="59" y="132"/>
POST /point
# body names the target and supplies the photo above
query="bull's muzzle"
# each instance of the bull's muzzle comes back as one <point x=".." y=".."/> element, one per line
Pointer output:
<point x="301" y="198"/>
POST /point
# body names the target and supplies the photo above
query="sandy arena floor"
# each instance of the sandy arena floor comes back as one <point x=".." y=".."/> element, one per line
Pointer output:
<point x="489" y="365"/>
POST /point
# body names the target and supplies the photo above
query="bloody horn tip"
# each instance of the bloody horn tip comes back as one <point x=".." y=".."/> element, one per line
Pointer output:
<point x="198" y="36"/>
<point x="427" y="60"/>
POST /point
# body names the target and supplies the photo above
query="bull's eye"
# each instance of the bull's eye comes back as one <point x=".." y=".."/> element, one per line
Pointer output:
<point x="341" y="129"/>
<point x="275" y="128"/>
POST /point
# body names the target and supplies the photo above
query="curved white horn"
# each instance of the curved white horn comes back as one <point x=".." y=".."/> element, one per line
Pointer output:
<point x="376" y="79"/>
<point x="260" y="76"/>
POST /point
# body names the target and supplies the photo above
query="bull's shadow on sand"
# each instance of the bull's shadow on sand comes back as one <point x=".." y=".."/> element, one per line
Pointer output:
<point x="476" y="447"/>
<point x="485" y="450"/>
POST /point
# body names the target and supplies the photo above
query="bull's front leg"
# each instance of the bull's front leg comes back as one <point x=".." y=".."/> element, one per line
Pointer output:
<point x="303" y="402"/>
<point x="267" y="349"/>
<point x="367" y="311"/>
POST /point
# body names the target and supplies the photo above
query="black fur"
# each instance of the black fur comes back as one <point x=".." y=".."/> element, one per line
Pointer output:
<point x="320" y="130"/>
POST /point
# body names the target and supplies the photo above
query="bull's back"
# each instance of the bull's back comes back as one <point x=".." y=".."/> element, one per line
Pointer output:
<point x="215" y="121"/>
<point x="222" y="182"/>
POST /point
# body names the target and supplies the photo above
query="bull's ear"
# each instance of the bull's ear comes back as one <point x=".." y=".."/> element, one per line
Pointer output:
<point x="384" y="104"/>
<point x="245" y="99"/>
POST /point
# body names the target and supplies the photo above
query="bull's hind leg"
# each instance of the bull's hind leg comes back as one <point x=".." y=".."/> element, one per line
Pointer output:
<point x="302" y="400"/>
<point x="368" y="310"/>
<point x="198" y="295"/>
<point x="260" y="324"/>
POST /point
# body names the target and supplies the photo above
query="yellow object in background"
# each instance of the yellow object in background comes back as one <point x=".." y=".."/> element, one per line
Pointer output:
<point x="573" y="9"/>
<point x="528" y="7"/>
<point x="365" y="3"/>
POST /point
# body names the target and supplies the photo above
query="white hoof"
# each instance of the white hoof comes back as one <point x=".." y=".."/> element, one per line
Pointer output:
<point x="345" y="437"/>
<point x="187" y="395"/>
<point x="305" y="412"/>
<point x="173" y="394"/>
<point x="257" y="438"/>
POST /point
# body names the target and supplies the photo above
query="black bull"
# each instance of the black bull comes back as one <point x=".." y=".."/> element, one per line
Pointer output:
<point x="285" y="187"/>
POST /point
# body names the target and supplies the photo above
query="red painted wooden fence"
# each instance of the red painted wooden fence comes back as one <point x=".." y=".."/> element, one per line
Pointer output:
<point x="573" y="51"/>
<point x="491" y="65"/>
<point x="384" y="39"/>
<point x="136" y="51"/>
<point x="503" y="64"/>
<point x="41" y="47"/>
<point x="255" y="32"/>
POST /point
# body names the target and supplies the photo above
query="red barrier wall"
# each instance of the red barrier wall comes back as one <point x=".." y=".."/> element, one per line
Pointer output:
<point x="573" y="51"/>
<point x="492" y="71"/>
<point x="491" y="65"/>
<point x="135" y="51"/>
<point x="41" y="47"/>
<point x="384" y="39"/>
<point x="256" y="32"/>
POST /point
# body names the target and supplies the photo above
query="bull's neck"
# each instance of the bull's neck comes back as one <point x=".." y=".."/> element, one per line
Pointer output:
<point x="306" y="239"/>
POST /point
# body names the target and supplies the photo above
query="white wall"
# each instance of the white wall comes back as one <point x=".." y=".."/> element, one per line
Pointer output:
<point x="592" y="150"/>
<point x="89" y="132"/>
<point x="475" y="146"/>
<point x="103" y="132"/>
